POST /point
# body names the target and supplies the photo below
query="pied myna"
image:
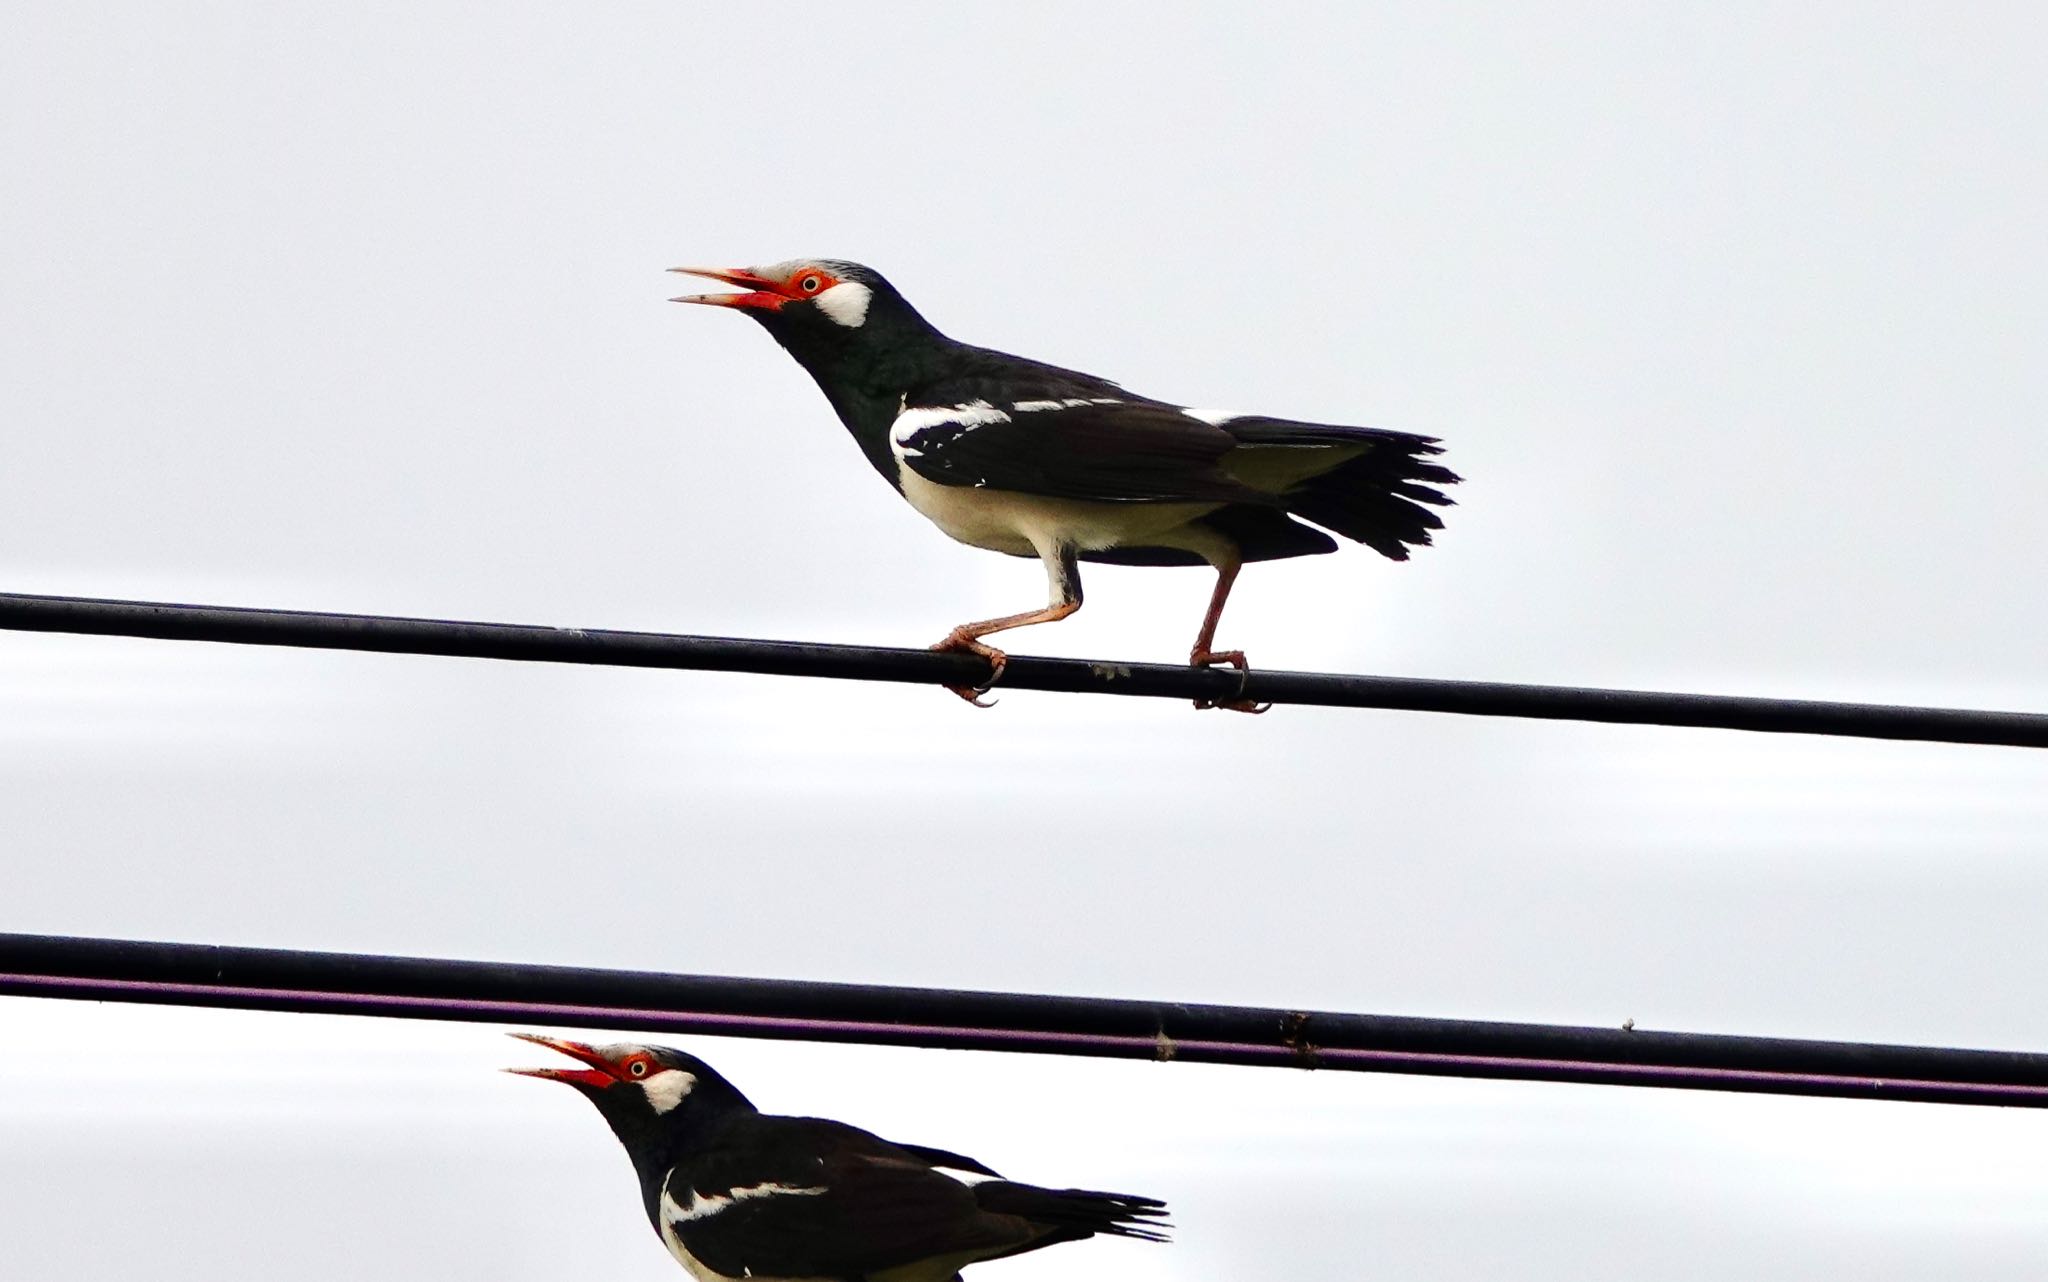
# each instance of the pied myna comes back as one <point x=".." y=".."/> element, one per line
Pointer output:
<point x="736" y="1193"/>
<point x="1026" y="458"/>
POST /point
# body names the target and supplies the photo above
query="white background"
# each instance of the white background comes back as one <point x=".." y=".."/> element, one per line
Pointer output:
<point x="1732" y="316"/>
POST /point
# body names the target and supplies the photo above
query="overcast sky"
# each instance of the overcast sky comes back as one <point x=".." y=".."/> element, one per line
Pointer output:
<point x="1732" y="315"/>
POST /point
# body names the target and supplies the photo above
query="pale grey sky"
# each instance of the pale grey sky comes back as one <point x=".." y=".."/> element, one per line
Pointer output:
<point x="1733" y="318"/>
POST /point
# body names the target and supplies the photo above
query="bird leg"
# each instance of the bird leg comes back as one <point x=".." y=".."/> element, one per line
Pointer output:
<point x="1204" y="657"/>
<point x="1063" y="576"/>
<point x="968" y="637"/>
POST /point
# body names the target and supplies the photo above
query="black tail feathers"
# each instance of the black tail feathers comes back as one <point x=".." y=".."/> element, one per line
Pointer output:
<point x="1381" y="497"/>
<point x="1077" y="1213"/>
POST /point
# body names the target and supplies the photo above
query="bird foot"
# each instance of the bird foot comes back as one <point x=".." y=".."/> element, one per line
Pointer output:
<point x="961" y="640"/>
<point x="1230" y="658"/>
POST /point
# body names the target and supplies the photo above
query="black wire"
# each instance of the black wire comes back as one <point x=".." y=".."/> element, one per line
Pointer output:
<point x="879" y="663"/>
<point x="498" y="992"/>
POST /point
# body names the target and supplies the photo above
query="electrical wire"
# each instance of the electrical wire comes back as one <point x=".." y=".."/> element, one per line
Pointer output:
<point x="500" y="992"/>
<point x="455" y="638"/>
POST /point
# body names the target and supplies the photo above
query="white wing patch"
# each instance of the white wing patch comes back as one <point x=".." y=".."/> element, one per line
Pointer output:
<point x="703" y="1205"/>
<point x="965" y="417"/>
<point x="1071" y="402"/>
<point x="846" y="303"/>
<point x="1214" y="418"/>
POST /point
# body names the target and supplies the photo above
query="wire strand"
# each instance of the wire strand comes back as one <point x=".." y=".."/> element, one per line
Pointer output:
<point x="453" y="638"/>
<point x="499" y="992"/>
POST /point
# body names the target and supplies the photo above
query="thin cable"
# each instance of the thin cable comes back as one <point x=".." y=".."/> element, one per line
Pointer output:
<point x="391" y="635"/>
<point x="498" y="992"/>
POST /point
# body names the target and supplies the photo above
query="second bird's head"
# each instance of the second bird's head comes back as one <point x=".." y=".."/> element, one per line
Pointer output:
<point x="647" y="1093"/>
<point x="821" y="309"/>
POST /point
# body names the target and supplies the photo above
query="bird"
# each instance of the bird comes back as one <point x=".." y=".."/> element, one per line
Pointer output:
<point x="1035" y="460"/>
<point x="736" y="1193"/>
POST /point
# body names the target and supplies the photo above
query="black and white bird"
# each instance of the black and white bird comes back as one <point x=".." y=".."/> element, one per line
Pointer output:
<point x="736" y="1193"/>
<point x="1026" y="458"/>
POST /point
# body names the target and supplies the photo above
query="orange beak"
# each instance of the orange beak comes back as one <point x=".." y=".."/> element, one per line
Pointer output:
<point x="599" y="1074"/>
<point x="761" y="292"/>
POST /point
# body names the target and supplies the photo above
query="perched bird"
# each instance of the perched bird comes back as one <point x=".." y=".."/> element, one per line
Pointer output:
<point x="1026" y="458"/>
<point x="736" y="1193"/>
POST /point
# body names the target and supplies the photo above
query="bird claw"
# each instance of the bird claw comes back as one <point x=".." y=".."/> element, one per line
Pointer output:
<point x="1235" y="705"/>
<point x="997" y="661"/>
<point x="1234" y="659"/>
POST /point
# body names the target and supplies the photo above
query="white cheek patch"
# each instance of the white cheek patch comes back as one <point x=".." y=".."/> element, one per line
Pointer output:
<point x="668" y="1088"/>
<point x="846" y="303"/>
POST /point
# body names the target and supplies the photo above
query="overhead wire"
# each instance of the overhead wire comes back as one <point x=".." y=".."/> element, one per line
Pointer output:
<point x="212" y="975"/>
<point x="388" y="634"/>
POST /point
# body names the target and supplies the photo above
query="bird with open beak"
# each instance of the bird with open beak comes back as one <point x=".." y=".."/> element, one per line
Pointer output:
<point x="1021" y="457"/>
<point x="736" y="1193"/>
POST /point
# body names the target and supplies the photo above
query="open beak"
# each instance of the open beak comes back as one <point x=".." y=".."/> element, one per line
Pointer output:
<point x="760" y="291"/>
<point x="599" y="1074"/>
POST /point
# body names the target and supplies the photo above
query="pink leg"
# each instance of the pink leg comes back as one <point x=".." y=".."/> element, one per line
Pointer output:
<point x="1063" y="575"/>
<point x="968" y="637"/>
<point x="1202" y="656"/>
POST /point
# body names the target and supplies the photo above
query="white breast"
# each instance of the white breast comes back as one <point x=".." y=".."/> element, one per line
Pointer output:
<point x="1026" y="524"/>
<point x="979" y="517"/>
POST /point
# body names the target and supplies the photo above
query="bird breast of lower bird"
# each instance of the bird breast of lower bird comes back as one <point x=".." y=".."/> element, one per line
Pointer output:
<point x="704" y="1272"/>
<point x="936" y="1269"/>
<point x="1022" y="524"/>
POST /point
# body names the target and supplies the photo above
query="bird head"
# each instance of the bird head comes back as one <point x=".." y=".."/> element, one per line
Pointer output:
<point x="822" y="310"/>
<point x="646" y="1093"/>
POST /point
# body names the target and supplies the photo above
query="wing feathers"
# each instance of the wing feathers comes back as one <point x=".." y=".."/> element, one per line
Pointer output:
<point x="949" y="1160"/>
<point x="782" y="1197"/>
<point x="1076" y="442"/>
<point x="1090" y="448"/>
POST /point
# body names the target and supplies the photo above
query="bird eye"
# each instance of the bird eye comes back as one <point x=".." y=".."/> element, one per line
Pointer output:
<point x="810" y="284"/>
<point x="639" y="1068"/>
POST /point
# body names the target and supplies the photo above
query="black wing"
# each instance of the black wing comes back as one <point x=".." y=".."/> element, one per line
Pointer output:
<point x="950" y="1160"/>
<point x="801" y="1197"/>
<point x="1100" y="448"/>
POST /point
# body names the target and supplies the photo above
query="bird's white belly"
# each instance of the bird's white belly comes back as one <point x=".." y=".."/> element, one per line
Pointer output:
<point x="1024" y="524"/>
